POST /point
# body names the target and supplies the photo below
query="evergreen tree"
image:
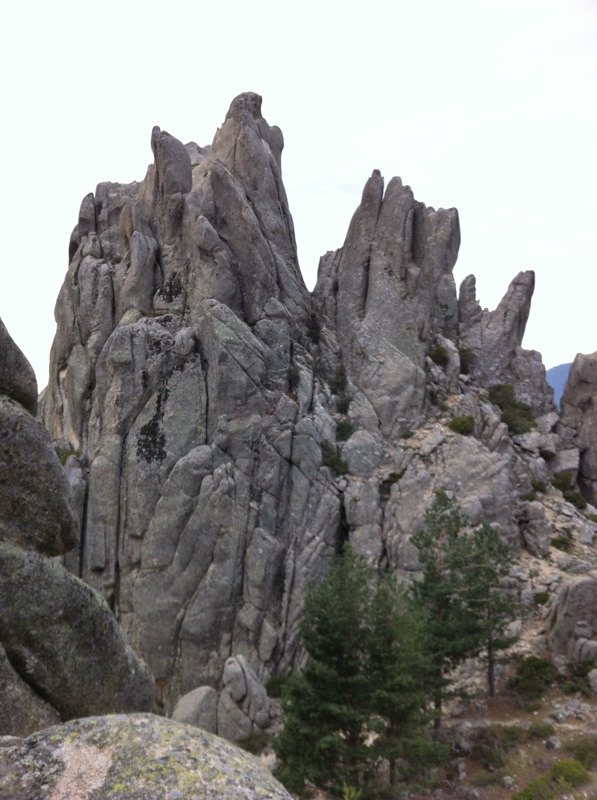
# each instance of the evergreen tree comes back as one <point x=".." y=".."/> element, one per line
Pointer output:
<point x="461" y="590"/>
<point x="486" y="561"/>
<point x="328" y="705"/>
<point x="452" y="632"/>
<point x="399" y="666"/>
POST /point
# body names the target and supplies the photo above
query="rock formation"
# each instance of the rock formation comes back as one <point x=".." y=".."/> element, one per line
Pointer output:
<point x="62" y="653"/>
<point x="229" y="431"/>
<point x="578" y="422"/>
<point x="131" y="756"/>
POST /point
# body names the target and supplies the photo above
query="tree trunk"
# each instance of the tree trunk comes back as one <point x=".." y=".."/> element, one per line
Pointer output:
<point x="491" y="669"/>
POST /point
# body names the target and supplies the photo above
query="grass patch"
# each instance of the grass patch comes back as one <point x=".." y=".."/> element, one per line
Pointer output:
<point x="564" y="775"/>
<point x="539" y="486"/>
<point x="540" y="729"/>
<point x="528" y="496"/>
<point x="585" y="751"/>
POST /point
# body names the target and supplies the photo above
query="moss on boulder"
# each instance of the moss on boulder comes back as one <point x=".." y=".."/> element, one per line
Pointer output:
<point x="131" y="757"/>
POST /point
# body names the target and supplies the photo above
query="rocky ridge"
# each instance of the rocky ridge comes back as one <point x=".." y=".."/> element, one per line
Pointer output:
<point x="227" y="430"/>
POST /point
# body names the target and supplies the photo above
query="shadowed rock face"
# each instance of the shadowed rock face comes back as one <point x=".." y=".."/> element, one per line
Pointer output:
<point x="233" y="431"/>
<point x="62" y="653"/>
<point x="578" y="421"/>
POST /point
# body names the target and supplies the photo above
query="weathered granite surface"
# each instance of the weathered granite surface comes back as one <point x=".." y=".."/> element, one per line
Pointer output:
<point x="133" y="756"/>
<point x="231" y="430"/>
<point x="62" y="653"/>
<point x="578" y="421"/>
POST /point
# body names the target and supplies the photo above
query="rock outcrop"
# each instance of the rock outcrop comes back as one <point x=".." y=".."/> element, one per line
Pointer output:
<point x="578" y="422"/>
<point x="133" y="756"/>
<point x="230" y="431"/>
<point x="62" y="653"/>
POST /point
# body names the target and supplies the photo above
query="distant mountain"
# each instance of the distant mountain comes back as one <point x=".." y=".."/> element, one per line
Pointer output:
<point x="557" y="377"/>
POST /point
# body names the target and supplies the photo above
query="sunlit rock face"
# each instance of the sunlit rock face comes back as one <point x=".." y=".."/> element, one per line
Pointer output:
<point x="231" y="430"/>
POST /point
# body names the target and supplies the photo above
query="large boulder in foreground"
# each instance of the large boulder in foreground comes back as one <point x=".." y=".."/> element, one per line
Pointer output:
<point x="61" y="635"/>
<point x="35" y="510"/>
<point x="136" y="756"/>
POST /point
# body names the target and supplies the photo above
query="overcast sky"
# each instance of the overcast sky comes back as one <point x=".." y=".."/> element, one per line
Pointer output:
<point x="485" y="105"/>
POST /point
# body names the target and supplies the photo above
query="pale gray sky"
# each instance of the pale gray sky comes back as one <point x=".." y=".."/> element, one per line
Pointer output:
<point x="485" y="105"/>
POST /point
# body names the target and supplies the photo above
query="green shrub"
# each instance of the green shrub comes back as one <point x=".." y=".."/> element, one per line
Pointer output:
<point x="541" y="598"/>
<point x="338" y="381"/>
<point x="293" y="377"/>
<point x="564" y="774"/>
<point x="255" y="742"/>
<point x="438" y="354"/>
<point x="462" y="424"/>
<point x="344" y="430"/>
<point x="275" y="685"/>
<point x="563" y="482"/>
<point x="493" y="742"/>
<point x="385" y="486"/>
<point x="528" y="496"/>
<point x="314" y="329"/>
<point x="592" y="517"/>
<point x="467" y="360"/>
<point x="540" y="729"/>
<point x="585" y="751"/>
<point x="564" y="541"/>
<point x="539" y="486"/>
<point x="64" y="455"/>
<point x="343" y="404"/>
<point x="577" y="679"/>
<point x="533" y="676"/>
<point x="408" y="434"/>
<point x="516" y="414"/>
<point x="331" y="458"/>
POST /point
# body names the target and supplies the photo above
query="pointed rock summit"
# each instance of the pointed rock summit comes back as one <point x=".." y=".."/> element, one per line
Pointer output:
<point x="231" y="431"/>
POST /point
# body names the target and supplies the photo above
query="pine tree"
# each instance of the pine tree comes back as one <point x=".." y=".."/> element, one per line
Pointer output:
<point x="462" y="591"/>
<point x="399" y="666"/>
<point x="486" y="561"/>
<point x="452" y="633"/>
<point x="328" y="705"/>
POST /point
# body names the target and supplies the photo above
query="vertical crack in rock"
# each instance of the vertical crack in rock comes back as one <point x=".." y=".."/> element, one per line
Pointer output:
<point x="200" y="382"/>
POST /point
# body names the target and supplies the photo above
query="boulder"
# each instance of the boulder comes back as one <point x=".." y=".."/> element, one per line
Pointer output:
<point x="61" y="636"/>
<point x="35" y="511"/>
<point x="579" y="420"/>
<point x="133" y="756"/>
<point x="17" y="379"/>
